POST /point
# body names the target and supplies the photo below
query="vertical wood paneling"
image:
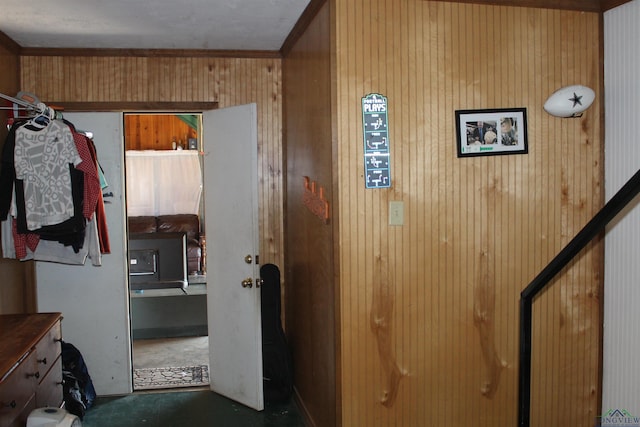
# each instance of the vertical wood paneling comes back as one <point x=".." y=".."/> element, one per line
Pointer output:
<point x="156" y="132"/>
<point x="229" y="81"/>
<point x="311" y="300"/>
<point x="17" y="293"/>
<point x="476" y="230"/>
<point x="498" y="217"/>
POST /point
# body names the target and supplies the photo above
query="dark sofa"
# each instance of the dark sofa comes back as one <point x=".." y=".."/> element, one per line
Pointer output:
<point x="178" y="223"/>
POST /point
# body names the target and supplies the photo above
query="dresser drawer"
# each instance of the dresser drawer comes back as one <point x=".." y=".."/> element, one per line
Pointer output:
<point x="49" y="392"/>
<point x="21" y="419"/>
<point x="17" y="390"/>
<point x="48" y="349"/>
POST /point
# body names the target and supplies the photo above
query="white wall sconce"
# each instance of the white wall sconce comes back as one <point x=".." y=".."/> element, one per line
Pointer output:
<point x="569" y="101"/>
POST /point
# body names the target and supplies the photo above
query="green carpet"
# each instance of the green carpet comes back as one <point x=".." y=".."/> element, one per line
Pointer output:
<point x="186" y="409"/>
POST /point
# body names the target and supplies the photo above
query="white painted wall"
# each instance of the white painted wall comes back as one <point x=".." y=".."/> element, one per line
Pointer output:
<point x="94" y="300"/>
<point x="621" y="345"/>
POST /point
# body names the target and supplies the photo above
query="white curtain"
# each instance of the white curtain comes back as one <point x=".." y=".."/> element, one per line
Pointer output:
<point x="163" y="182"/>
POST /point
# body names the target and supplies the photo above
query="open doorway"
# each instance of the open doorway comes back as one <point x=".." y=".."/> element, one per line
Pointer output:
<point x="233" y="308"/>
<point x="167" y="250"/>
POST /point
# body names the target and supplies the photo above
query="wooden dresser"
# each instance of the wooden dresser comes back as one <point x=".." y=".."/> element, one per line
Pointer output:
<point x="30" y="365"/>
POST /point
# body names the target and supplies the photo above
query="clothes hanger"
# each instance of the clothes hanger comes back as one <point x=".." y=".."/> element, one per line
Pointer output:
<point x="40" y="115"/>
<point x="44" y="117"/>
<point x="28" y="101"/>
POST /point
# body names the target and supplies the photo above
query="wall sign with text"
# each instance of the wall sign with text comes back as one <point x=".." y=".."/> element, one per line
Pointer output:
<point x="376" y="141"/>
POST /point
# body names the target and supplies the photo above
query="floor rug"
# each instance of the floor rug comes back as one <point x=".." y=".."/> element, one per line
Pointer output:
<point x="170" y="377"/>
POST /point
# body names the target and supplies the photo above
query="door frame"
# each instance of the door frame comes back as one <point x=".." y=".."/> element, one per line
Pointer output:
<point x="174" y="292"/>
<point x="120" y="108"/>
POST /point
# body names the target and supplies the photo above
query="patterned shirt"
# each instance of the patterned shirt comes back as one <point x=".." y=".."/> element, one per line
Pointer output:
<point x="42" y="159"/>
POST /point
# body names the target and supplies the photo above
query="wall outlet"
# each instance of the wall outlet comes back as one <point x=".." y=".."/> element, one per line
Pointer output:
<point x="396" y="213"/>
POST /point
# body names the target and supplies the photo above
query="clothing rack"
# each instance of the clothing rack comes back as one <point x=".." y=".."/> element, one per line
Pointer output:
<point x="73" y="166"/>
<point x="28" y="102"/>
<point x="34" y="105"/>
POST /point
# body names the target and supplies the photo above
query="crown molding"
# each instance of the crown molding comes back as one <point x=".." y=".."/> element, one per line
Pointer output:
<point x="184" y="107"/>
<point x="152" y="53"/>
<point x="9" y="44"/>
<point x="300" y="27"/>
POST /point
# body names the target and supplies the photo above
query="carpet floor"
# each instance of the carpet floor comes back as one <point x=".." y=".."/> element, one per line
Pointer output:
<point x="193" y="408"/>
<point x="178" y="363"/>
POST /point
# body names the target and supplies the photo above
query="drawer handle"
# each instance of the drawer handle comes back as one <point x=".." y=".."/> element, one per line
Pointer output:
<point x="43" y="361"/>
<point x="36" y="374"/>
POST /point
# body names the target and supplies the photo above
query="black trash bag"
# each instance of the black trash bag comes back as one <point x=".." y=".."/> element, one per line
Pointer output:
<point x="277" y="365"/>
<point x="78" y="391"/>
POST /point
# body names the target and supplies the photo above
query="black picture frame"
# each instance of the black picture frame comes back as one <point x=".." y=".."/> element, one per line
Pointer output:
<point x="490" y="132"/>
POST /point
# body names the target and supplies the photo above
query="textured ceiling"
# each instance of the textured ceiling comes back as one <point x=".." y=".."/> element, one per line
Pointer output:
<point x="150" y="24"/>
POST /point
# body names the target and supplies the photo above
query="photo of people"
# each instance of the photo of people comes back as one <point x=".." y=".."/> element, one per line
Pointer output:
<point x="481" y="133"/>
<point x="491" y="131"/>
<point x="508" y="131"/>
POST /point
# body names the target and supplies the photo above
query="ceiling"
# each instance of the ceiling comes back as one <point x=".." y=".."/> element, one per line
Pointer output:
<point x="151" y="24"/>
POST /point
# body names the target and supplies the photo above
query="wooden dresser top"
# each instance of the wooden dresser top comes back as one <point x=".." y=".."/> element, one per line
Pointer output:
<point x="19" y="333"/>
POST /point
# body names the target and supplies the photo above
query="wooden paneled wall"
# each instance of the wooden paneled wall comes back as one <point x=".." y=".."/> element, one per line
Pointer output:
<point x="428" y="331"/>
<point x="430" y="309"/>
<point x="311" y="301"/>
<point x="17" y="293"/>
<point x="228" y="81"/>
<point x="156" y="132"/>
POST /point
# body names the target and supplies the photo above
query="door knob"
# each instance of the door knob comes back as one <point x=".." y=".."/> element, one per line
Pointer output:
<point x="248" y="259"/>
<point x="247" y="283"/>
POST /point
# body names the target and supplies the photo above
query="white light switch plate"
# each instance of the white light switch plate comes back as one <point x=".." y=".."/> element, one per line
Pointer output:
<point x="396" y="213"/>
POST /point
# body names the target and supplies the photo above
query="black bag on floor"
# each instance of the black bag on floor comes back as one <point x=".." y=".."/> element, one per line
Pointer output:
<point x="277" y="366"/>
<point x="78" y="391"/>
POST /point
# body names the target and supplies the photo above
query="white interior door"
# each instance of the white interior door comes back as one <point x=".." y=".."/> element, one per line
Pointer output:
<point x="95" y="300"/>
<point x="231" y="224"/>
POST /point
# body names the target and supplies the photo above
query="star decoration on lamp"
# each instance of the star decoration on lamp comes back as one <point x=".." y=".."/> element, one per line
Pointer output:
<point x="576" y="99"/>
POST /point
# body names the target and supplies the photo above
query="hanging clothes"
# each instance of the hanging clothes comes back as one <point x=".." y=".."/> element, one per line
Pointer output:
<point x="51" y="203"/>
<point x="7" y="172"/>
<point x="41" y="160"/>
<point x="100" y="216"/>
<point x="92" y="187"/>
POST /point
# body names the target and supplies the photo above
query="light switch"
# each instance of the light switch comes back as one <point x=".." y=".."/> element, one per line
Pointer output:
<point x="396" y="213"/>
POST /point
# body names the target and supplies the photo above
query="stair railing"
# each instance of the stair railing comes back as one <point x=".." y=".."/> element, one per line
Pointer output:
<point x="597" y="224"/>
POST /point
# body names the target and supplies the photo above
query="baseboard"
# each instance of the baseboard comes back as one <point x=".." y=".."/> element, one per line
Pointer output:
<point x="308" y="421"/>
<point x="170" y="332"/>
